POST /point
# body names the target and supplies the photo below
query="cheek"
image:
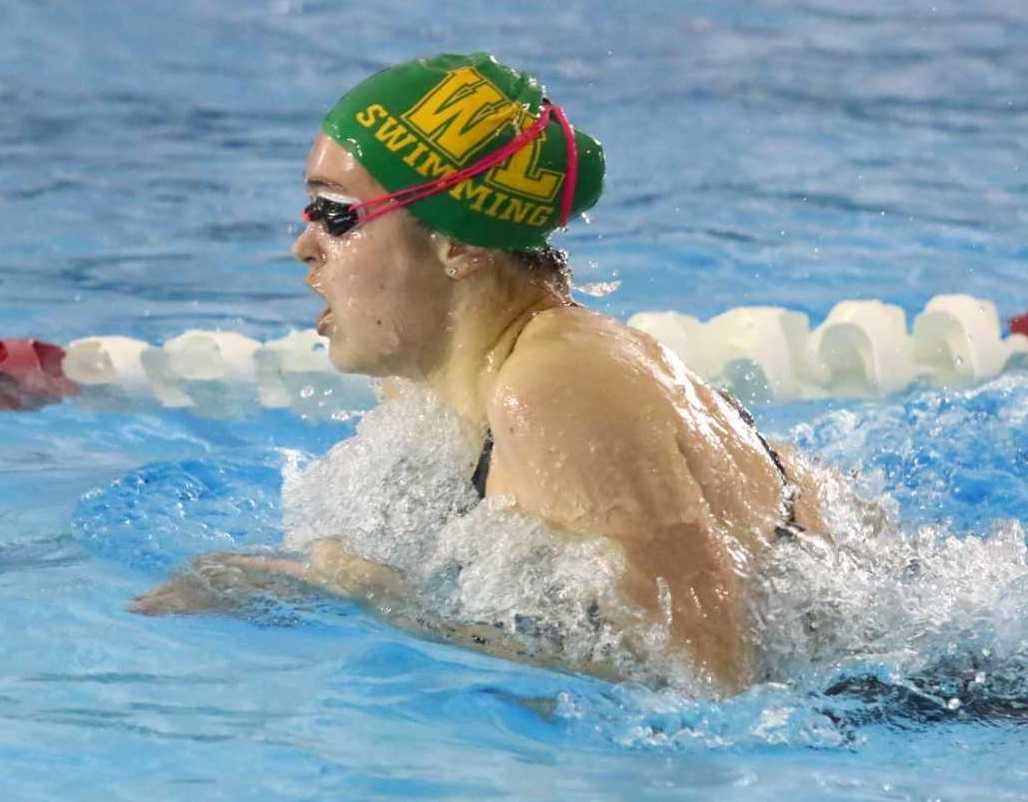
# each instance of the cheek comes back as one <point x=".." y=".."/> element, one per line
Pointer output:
<point x="366" y="327"/>
<point x="349" y="277"/>
<point x="382" y="296"/>
<point x="354" y="288"/>
<point x="371" y="273"/>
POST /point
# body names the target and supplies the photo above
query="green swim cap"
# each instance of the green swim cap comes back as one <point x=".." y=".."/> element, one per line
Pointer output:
<point x="433" y="117"/>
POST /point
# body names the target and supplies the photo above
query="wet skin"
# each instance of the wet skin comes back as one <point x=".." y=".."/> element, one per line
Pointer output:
<point x="598" y="429"/>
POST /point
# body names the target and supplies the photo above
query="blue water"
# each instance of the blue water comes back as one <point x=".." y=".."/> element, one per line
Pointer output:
<point x="772" y="153"/>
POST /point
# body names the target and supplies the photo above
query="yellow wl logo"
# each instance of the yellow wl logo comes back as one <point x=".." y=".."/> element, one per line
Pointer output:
<point x="461" y="113"/>
<point x="523" y="174"/>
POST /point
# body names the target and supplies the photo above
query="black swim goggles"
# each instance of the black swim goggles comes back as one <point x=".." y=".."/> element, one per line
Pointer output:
<point x="338" y="217"/>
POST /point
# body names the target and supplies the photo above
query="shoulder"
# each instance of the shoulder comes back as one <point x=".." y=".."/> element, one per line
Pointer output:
<point x="581" y="420"/>
<point x="575" y="345"/>
<point x="572" y="362"/>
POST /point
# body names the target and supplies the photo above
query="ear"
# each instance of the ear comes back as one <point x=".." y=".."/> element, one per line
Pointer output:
<point x="459" y="260"/>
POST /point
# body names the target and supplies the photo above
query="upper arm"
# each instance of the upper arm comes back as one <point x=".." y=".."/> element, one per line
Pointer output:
<point x="589" y="443"/>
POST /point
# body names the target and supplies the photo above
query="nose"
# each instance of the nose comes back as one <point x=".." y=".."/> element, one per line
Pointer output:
<point x="305" y="247"/>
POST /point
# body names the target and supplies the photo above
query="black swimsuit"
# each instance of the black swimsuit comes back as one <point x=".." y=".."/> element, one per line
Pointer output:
<point x="789" y="529"/>
<point x="481" y="474"/>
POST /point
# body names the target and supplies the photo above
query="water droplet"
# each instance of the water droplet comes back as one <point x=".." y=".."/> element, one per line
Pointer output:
<point x="598" y="289"/>
<point x="355" y="148"/>
<point x="307" y="391"/>
<point x="953" y="704"/>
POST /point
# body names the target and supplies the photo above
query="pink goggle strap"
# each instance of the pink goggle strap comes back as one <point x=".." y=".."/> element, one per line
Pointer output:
<point x="377" y="207"/>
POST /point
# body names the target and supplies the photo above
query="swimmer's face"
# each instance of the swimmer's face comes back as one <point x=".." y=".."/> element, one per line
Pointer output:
<point x="385" y="286"/>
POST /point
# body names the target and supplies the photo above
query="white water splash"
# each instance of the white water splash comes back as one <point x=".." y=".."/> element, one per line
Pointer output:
<point x="389" y="489"/>
<point x="882" y="594"/>
<point x="399" y="493"/>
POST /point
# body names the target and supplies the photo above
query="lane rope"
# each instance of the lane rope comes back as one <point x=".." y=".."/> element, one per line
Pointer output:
<point x="864" y="348"/>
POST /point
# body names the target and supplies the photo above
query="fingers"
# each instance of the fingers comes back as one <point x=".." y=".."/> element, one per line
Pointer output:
<point x="205" y="586"/>
<point x="180" y="596"/>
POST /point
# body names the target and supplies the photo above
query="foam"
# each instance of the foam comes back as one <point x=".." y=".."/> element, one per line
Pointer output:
<point x="900" y="599"/>
<point x="387" y="490"/>
<point x="399" y="493"/>
<point x="498" y="566"/>
<point x="906" y="596"/>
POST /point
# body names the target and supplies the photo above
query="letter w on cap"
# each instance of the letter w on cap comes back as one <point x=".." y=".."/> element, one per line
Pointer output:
<point x="461" y="113"/>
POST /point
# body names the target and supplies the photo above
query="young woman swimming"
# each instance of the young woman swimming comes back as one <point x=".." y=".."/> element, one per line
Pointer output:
<point x="433" y="188"/>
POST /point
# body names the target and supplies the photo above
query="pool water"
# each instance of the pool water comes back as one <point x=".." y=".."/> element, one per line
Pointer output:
<point x="758" y="153"/>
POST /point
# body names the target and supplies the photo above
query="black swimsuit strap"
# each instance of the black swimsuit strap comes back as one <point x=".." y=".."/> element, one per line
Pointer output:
<point x="791" y="527"/>
<point x="481" y="474"/>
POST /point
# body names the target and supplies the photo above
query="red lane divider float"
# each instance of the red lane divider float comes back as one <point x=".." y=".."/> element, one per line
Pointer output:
<point x="1019" y="324"/>
<point x="31" y="374"/>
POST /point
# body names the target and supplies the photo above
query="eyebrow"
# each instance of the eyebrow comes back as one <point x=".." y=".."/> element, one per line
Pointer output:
<point x="327" y="184"/>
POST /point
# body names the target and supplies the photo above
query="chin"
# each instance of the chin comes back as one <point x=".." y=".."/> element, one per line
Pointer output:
<point x="348" y="360"/>
<point x="341" y="357"/>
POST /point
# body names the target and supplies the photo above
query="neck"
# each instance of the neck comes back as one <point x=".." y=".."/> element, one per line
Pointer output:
<point x="486" y="322"/>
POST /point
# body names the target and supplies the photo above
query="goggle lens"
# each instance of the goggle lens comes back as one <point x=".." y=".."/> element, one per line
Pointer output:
<point x="338" y="217"/>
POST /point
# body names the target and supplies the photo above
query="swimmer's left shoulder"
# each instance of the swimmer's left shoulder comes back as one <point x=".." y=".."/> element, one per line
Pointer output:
<point x="578" y="392"/>
<point x="582" y="338"/>
<point x="570" y="325"/>
<point x="575" y="353"/>
<point x="584" y="434"/>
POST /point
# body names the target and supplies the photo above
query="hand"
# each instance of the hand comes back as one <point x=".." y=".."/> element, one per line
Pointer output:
<point x="205" y="586"/>
<point x="221" y="583"/>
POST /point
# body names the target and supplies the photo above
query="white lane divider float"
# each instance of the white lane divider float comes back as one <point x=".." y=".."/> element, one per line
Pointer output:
<point x="760" y="353"/>
<point x="217" y="374"/>
<point x="862" y="349"/>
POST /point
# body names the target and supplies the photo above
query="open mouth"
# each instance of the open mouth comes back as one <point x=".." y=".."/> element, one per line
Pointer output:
<point x="324" y="322"/>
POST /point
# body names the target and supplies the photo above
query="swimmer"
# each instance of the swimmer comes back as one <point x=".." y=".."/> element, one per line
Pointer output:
<point x="434" y="186"/>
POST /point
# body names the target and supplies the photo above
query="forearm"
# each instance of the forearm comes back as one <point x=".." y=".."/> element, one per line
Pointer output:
<point x="331" y="568"/>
